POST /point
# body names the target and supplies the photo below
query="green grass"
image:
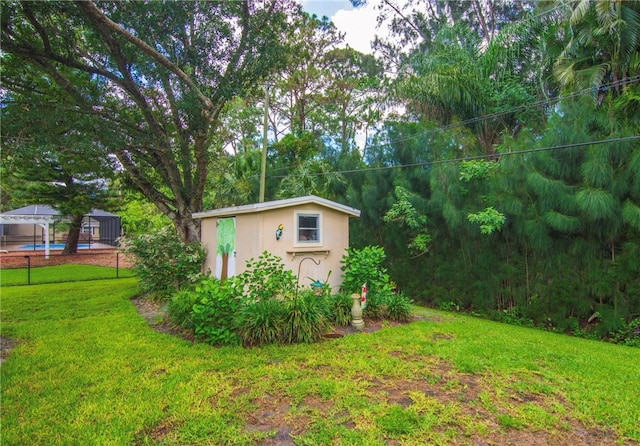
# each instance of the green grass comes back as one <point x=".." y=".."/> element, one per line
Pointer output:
<point x="61" y="273"/>
<point x="88" y="370"/>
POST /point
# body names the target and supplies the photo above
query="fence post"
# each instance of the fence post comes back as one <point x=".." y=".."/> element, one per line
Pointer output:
<point x="117" y="265"/>
<point x="28" y="269"/>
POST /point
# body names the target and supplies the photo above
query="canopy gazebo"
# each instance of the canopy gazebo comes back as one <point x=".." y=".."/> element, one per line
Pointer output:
<point x="14" y="229"/>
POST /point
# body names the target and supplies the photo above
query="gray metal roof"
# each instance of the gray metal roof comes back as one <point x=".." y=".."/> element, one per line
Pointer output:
<point x="269" y="205"/>
<point x="43" y="209"/>
<point x="34" y="209"/>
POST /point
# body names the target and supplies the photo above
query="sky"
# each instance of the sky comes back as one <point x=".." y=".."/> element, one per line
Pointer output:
<point x="358" y="24"/>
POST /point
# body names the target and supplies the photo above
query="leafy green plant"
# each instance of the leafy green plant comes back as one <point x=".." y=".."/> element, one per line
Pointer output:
<point x="489" y="220"/>
<point x="261" y="322"/>
<point x="339" y="309"/>
<point x="448" y="306"/>
<point x="214" y="312"/>
<point x="404" y="214"/>
<point x="163" y="263"/>
<point x="365" y="265"/>
<point x="306" y="319"/>
<point x="376" y="307"/>
<point x="266" y="278"/>
<point x="628" y="334"/>
<point x="399" y="307"/>
<point x="512" y="316"/>
<point x="180" y="307"/>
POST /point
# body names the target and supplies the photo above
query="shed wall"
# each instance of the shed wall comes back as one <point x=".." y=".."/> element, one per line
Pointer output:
<point x="256" y="233"/>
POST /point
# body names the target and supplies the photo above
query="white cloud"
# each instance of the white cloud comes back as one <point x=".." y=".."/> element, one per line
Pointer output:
<point x="359" y="26"/>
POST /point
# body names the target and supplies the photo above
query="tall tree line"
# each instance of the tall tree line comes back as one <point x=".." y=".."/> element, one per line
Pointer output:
<point x="506" y="131"/>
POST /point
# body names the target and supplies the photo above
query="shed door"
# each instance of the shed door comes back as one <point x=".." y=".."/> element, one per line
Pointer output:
<point x="226" y="245"/>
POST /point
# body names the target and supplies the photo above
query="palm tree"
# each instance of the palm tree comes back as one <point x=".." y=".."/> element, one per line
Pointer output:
<point x="604" y="47"/>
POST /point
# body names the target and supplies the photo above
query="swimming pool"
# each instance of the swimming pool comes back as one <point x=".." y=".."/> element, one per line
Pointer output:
<point x="52" y="246"/>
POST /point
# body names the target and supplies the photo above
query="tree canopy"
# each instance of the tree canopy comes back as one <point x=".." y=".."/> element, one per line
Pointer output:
<point x="154" y="77"/>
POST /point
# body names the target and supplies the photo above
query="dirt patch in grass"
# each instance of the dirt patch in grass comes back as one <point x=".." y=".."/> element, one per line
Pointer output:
<point x="5" y="347"/>
<point x="155" y="314"/>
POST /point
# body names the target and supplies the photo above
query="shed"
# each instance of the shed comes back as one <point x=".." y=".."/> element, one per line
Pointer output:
<point x="309" y="233"/>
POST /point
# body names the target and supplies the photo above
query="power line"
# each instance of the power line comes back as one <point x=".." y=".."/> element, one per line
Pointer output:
<point x="521" y="108"/>
<point x="472" y="158"/>
<point x="537" y="104"/>
<point x="545" y="102"/>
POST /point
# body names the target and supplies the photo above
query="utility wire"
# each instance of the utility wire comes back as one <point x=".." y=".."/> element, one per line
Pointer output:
<point x="470" y="158"/>
<point x="521" y="108"/>
<point x="537" y="104"/>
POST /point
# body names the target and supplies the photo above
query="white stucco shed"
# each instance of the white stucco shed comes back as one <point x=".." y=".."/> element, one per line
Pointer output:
<point x="309" y="233"/>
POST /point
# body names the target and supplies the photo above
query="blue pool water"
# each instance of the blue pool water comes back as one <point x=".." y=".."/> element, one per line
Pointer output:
<point x="53" y="246"/>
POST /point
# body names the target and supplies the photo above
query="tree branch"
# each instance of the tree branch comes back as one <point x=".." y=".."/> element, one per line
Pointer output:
<point x="97" y="16"/>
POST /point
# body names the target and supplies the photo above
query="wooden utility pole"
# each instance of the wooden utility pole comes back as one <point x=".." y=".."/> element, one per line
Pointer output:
<point x="263" y="166"/>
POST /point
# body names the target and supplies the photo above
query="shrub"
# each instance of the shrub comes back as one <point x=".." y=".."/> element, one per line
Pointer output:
<point x="214" y="312"/>
<point x="365" y="266"/>
<point x="628" y="334"/>
<point x="376" y="307"/>
<point x="306" y="319"/>
<point x="339" y="309"/>
<point x="266" y="278"/>
<point x="261" y="322"/>
<point x="181" y="306"/>
<point x="399" y="307"/>
<point x="163" y="263"/>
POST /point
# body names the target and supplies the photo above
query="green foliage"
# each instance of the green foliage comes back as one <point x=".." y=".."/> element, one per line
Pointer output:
<point x="163" y="138"/>
<point x="398" y="307"/>
<point x="403" y="213"/>
<point x="214" y="311"/>
<point x="163" y="263"/>
<point x="266" y="278"/>
<point x="476" y="169"/>
<point x="274" y="321"/>
<point x="180" y="307"/>
<point x="339" y="309"/>
<point x="627" y="334"/>
<point x="512" y="316"/>
<point x="376" y="307"/>
<point x="365" y="265"/>
<point x="140" y="216"/>
<point x="306" y="319"/>
<point x="261" y="322"/>
<point x="489" y="220"/>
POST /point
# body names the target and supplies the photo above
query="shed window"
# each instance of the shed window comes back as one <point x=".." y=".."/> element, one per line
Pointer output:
<point x="308" y="228"/>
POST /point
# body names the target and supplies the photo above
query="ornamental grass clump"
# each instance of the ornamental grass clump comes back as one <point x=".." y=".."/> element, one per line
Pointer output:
<point x="261" y="322"/>
<point x="398" y="307"/>
<point x="306" y="319"/>
<point x="339" y="309"/>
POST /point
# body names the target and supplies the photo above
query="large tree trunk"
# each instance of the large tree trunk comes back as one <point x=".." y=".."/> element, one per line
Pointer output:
<point x="71" y="247"/>
<point x="188" y="228"/>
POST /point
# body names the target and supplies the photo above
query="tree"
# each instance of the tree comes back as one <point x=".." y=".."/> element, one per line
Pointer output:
<point x="604" y="49"/>
<point x="157" y="75"/>
<point x="50" y="149"/>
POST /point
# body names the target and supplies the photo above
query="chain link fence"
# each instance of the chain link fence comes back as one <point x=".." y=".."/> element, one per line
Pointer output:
<point x="33" y="267"/>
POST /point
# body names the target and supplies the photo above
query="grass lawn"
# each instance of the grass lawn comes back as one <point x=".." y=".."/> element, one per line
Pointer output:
<point x="88" y="370"/>
<point x="60" y="273"/>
